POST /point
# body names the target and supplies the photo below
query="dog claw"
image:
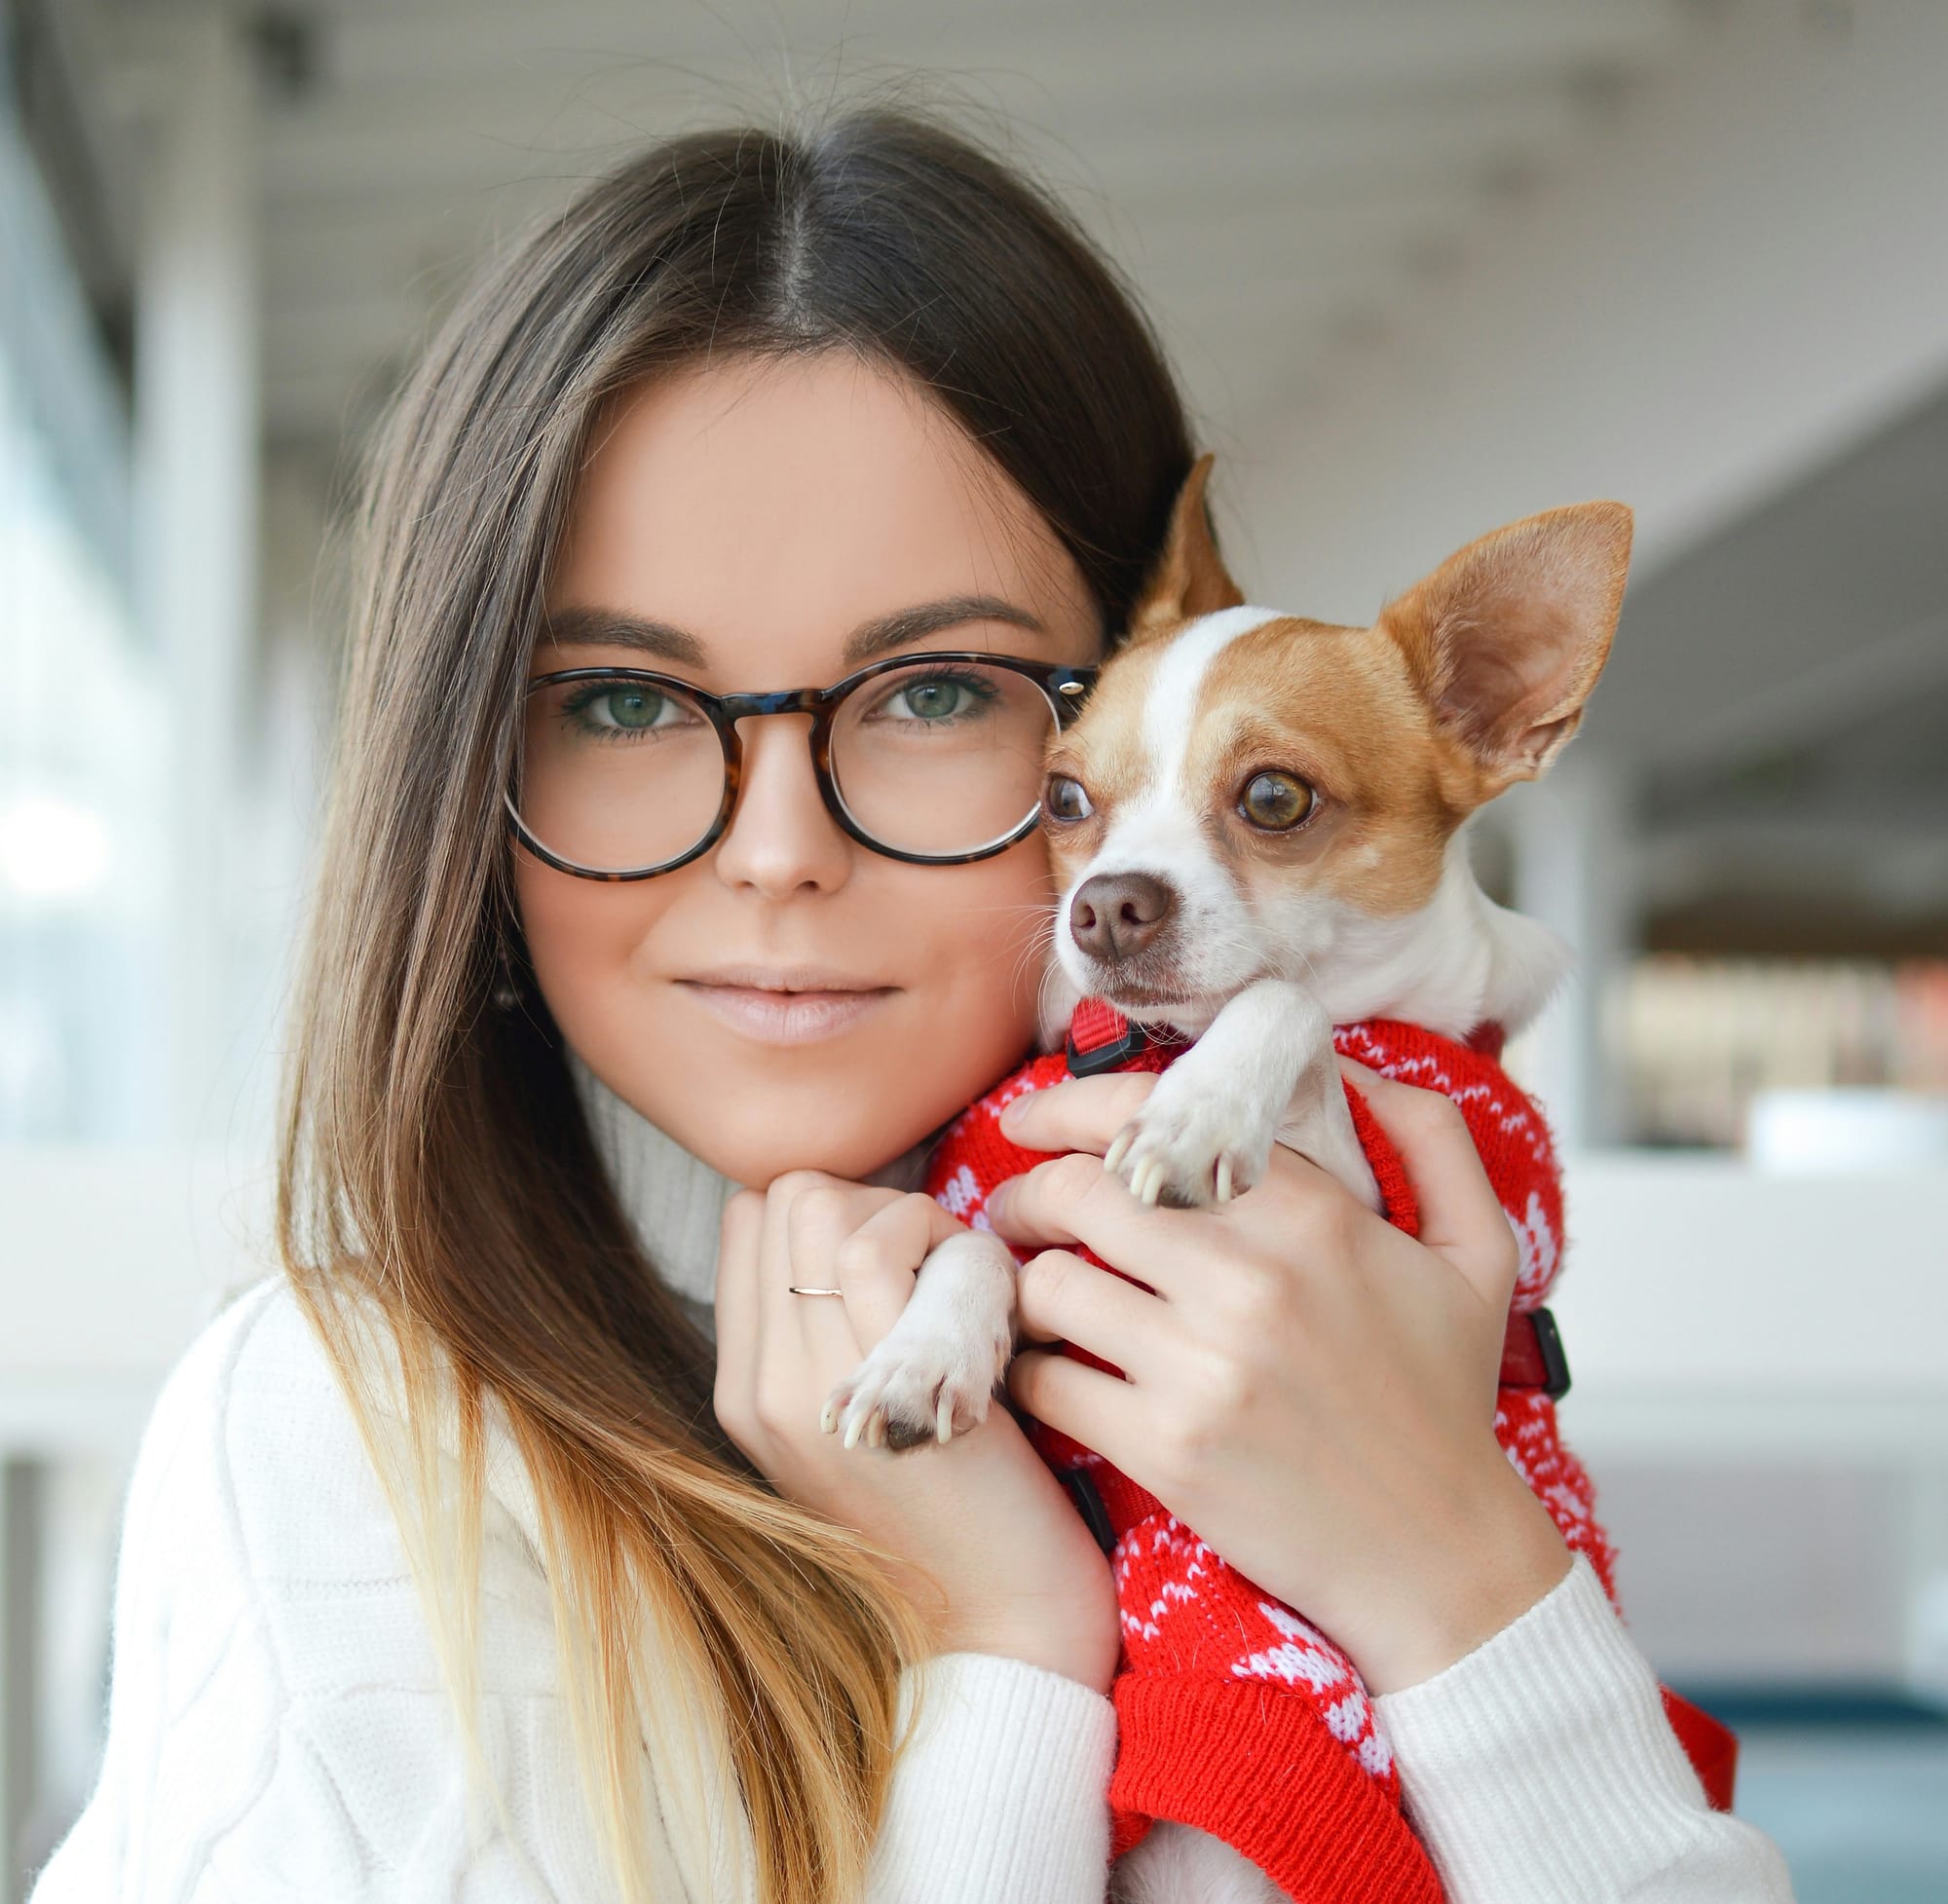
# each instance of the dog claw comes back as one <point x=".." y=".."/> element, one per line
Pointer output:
<point x="1118" y="1151"/>
<point x="929" y="1388"/>
<point x="1224" y="1179"/>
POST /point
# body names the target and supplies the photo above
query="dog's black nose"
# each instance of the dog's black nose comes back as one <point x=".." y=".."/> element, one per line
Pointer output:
<point x="1116" y="914"/>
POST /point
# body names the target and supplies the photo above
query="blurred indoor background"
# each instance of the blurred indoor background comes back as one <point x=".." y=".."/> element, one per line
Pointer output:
<point x="1424" y="267"/>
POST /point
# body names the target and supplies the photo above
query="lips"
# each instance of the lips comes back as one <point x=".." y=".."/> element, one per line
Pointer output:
<point x="786" y="1005"/>
<point x="783" y="977"/>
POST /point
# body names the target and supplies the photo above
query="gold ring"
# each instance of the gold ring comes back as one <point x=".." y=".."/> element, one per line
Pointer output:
<point x="797" y="1290"/>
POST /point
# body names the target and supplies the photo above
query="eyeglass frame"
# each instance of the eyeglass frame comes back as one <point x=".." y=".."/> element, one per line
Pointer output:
<point x="1064" y="688"/>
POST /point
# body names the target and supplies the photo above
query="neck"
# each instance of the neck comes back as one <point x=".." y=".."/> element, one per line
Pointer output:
<point x="1459" y="961"/>
<point x="674" y="1200"/>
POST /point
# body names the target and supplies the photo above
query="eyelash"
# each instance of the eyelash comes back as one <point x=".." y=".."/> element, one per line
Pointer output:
<point x="591" y="692"/>
<point x="982" y="689"/>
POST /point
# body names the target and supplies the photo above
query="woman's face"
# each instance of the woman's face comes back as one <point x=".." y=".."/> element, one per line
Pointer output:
<point x="769" y="510"/>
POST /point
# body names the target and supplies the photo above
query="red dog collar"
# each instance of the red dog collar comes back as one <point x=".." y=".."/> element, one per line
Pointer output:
<point x="1532" y="1354"/>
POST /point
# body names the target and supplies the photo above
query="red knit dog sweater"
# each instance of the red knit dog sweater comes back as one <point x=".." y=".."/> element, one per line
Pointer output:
<point x="1235" y="1714"/>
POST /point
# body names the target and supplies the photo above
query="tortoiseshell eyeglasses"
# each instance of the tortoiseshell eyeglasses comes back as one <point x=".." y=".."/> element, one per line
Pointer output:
<point x="934" y="759"/>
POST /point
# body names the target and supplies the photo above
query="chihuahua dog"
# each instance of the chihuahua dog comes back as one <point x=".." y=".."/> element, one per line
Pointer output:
<point x="1257" y="823"/>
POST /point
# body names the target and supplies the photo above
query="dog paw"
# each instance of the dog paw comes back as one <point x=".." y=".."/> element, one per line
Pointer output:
<point x="927" y="1389"/>
<point x="1185" y="1149"/>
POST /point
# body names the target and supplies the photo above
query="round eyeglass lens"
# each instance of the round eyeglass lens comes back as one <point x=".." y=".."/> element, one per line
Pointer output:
<point x="617" y="776"/>
<point x="945" y="756"/>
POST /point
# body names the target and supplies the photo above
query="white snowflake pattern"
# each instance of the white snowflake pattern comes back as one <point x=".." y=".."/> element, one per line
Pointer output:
<point x="1306" y="1654"/>
<point x="960" y="1193"/>
<point x="1540" y="1247"/>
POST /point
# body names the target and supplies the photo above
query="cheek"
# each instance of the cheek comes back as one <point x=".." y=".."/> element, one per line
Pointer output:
<point x="581" y="935"/>
<point x="979" y="934"/>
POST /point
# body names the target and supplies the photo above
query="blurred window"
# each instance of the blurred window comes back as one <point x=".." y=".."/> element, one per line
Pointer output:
<point x="82" y="714"/>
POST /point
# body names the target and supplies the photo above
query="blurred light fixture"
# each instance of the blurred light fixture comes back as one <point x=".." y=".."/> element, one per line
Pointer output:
<point x="51" y="849"/>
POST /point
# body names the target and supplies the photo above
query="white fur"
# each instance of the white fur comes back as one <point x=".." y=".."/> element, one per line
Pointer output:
<point x="1264" y="1073"/>
<point x="931" y="1374"/>
<point x="1178" y="1864"/>
<point x="1270" y="979"/>
<point x="1456" y="962"/>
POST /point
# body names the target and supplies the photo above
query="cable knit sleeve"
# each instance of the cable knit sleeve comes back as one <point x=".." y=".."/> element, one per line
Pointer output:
<point x="1002" y="1792"/>
<point x="277" y="1728"/>
<point x="1540" y="1768"/>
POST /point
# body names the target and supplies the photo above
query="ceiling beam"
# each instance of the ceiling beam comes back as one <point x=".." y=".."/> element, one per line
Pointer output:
<point x="1424" y="143"/>
<point x="1324" y="48"/>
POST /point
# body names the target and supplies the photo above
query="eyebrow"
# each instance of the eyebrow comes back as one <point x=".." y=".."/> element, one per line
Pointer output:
<point x="600" y="627"/>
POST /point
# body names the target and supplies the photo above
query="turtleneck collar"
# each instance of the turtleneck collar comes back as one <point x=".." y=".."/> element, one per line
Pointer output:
<point x="674" y="1200"/>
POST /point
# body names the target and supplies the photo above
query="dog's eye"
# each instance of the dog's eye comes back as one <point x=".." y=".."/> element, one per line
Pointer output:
<point x="1275" y="799"/>
<point x="1065" y="800"/>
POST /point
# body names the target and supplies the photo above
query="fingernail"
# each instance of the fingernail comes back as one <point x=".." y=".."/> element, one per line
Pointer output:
<point x="997" y="1201"/>
<point x="1011" y="1113"/>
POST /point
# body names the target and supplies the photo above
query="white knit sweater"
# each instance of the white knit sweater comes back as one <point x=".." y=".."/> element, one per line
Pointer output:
<point x="277" y="1728"/>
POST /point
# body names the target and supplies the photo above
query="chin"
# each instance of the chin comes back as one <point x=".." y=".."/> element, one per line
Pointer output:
<point x="849" y="1113"/>
<point x="754" y="1144"/>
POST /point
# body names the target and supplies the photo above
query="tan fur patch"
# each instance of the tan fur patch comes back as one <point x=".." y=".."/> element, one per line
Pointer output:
<point x="1336" y="707"/>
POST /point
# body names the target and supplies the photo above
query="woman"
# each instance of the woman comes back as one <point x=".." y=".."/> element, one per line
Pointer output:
<point x="760" y="413"/>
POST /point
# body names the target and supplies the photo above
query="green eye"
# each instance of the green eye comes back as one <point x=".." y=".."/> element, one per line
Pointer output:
<point x="935" y="698"/>
<point x="1065" y="800"/>
<point x="629" y="707"/>
<point x="612" y="710"/>
<point x="938" y="698"/>
<point x="1276" y="801"/>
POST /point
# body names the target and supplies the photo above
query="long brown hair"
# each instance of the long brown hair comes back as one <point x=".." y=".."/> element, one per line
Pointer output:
<point x="436" y="1173"/>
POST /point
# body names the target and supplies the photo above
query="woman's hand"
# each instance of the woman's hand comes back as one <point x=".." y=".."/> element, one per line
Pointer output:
<point x="1309" y="1388"/>
<point x="1017" y="1571"/>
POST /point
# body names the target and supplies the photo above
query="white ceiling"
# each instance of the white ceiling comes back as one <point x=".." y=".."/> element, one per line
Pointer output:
<point x="1278" y="176"/>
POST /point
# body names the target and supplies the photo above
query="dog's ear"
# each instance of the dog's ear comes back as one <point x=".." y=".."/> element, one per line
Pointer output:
<point x="1190" y="578"/>
<point x="1506" y="639"/>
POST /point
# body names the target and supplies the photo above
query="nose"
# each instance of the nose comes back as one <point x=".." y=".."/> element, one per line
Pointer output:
<point x="781" y="841"/>
<point x="1115" y="915"/>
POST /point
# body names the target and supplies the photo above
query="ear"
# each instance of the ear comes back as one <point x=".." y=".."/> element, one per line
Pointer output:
<point x="1506" y="639"/>
<point x="1189" y="579"/>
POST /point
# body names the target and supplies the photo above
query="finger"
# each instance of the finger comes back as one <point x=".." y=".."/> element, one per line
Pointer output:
<point x="778" y="1318"/>
<point x="1072" y="1198"/>
<point x="1082" y="1113"/>
<point x="875" y="1265"/>
<point x="818" y="1220"/>
<point x="1460" y="1214"/>
<point x="1062" y="1296"/>
<point x="1088" y="1405"/>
